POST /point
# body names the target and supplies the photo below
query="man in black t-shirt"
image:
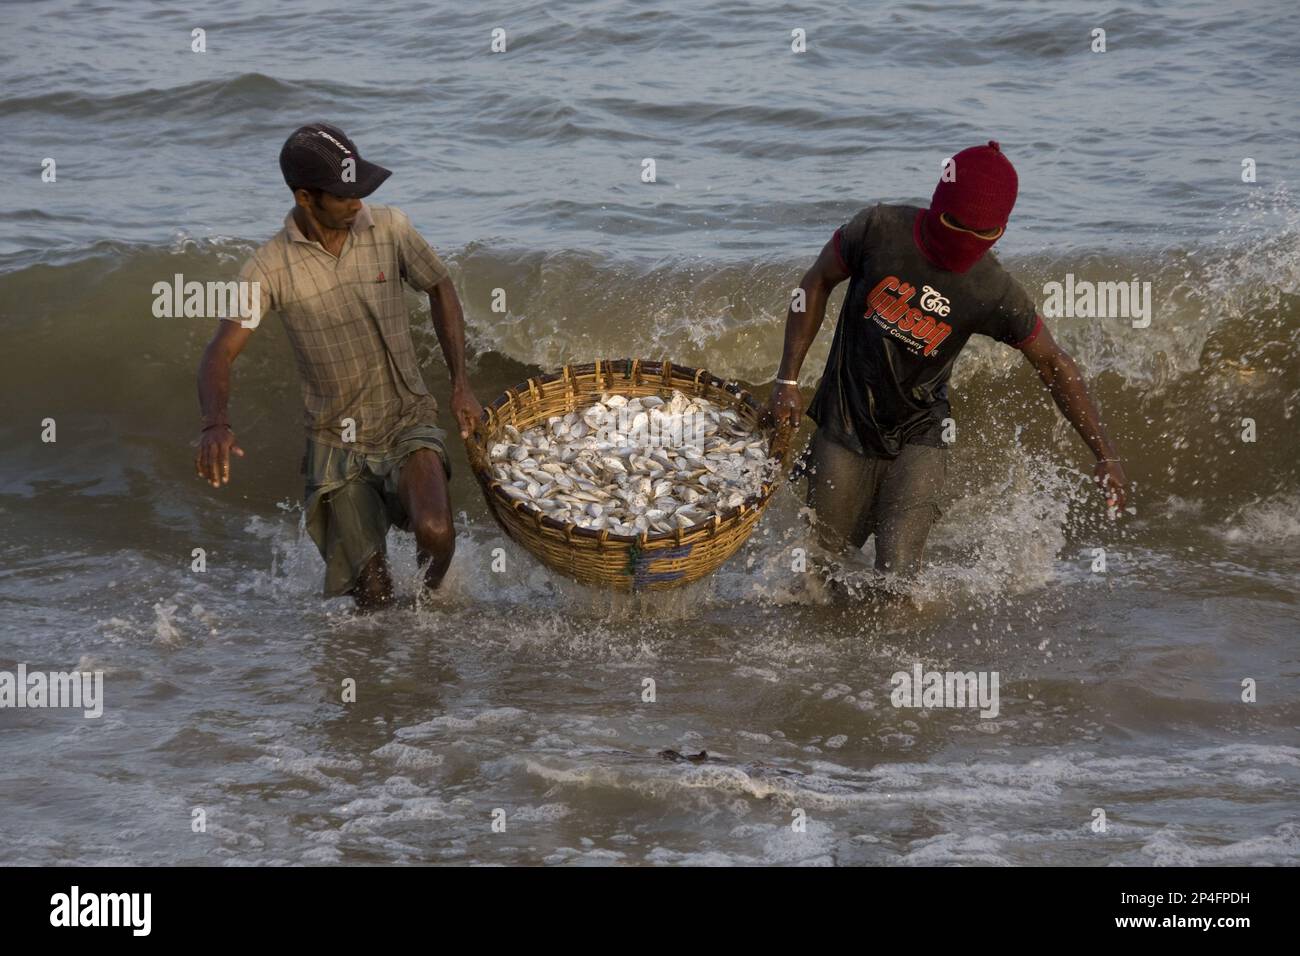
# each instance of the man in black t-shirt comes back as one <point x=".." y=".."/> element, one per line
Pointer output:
<point x="921" y="284"/>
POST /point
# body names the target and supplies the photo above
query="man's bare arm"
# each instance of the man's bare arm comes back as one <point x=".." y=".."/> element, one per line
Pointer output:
<point x="217" y="440"/>
<point x="449" y="324"/>
<point x="801" y="328"/>
<point x="1065" y="382"/>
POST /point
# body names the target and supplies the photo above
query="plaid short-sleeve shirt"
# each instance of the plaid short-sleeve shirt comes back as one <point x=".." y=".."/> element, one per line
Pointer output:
<point x="348" y="324"/>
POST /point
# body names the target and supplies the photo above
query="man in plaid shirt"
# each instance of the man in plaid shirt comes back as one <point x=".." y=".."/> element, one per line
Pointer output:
<point x="375" y="455"/>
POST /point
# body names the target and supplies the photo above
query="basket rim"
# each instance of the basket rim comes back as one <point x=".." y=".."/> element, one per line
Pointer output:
<point x="630" y="366"/>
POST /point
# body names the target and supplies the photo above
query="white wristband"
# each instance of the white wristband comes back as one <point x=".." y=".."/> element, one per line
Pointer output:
<point x="787" y="381"/>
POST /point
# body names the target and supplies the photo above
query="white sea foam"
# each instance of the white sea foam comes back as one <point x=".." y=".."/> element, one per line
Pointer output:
<point x="1271" y="521"/>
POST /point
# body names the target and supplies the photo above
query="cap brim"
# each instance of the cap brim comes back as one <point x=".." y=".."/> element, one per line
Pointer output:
<point x="370" y="176"/>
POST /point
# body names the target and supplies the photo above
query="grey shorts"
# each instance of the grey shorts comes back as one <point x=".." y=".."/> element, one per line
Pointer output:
<point x="895" y="499"/>
<point x="352" y="500"/>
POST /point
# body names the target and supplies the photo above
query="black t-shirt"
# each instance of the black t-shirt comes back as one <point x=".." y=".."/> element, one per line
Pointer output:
<point x="903" y="323"/>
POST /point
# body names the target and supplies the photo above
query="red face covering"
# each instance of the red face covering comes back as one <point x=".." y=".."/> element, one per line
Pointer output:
<point x="980" y="196"/>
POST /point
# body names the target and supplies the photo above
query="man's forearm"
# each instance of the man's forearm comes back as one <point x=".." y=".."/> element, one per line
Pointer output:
<point x="214" y="387"/>
<point x="801" y="329"/>
<point x="449" y="325"/>
<point x="1072" y="397"/>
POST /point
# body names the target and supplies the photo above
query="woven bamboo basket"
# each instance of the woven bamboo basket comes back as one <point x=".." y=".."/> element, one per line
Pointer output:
<point x="645" y="562"/>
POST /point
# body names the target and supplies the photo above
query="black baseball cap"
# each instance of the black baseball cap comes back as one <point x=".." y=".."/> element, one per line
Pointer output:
<point x="315" y="156"/>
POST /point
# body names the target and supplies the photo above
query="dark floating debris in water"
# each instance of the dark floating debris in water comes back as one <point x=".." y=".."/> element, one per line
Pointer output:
<point x="674" y="756"/>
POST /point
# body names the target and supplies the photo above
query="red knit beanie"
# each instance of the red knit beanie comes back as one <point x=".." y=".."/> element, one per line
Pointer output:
<point x="983" y="191"/>
<point x="980" y="196"/>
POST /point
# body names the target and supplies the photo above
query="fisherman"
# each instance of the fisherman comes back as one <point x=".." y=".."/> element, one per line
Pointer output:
<point x="921" y="283"/>
<point x="375" y="454"/>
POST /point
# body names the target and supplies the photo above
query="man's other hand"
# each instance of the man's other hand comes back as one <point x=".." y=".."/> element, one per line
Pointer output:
<point x="1114" y="483"/>
<point x="784" y="407"/>
<point x="782" y="413"/>
<point x="466" y="409"/>
<point x="213" y="459"/>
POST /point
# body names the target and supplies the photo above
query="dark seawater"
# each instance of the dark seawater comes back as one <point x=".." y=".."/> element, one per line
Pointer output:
<point x="1119" y="690"/>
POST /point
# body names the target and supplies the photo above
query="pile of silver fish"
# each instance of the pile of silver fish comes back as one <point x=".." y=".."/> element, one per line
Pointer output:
<point x="634" y="465"/>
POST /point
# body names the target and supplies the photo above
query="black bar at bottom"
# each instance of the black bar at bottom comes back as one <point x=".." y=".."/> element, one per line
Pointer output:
<point x="333" y="905"/>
